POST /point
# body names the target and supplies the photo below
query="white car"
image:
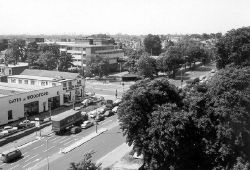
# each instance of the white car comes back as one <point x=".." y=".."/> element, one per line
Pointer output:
<point x="86" y="124"/>
<point x="117" y="102"/>
<point x="212" y="71"/>
<point x="114" y="110"/>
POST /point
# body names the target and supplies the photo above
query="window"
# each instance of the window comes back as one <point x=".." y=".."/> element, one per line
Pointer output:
<point x="53" y="84"/>
<point x="32" y="82"/>
<point x="43" y="83"/>
<point x="20" y="81"/>
<point x="10" y="116"/>
<point x="13" y="80"/>
<point x="25" y="81"/>
<point x="10" y="72"/>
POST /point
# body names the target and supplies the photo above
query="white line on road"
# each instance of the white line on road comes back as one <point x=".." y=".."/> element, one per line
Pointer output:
<point x="106" y="122"/>
<point x="26" y="156"/>
<point x="14" y="167"/>
<point x="25" y="153"/>
<point x="68" y="142"/>
<point x="31" y="158"/>
<point x="54" y="138"/>
<point x="38" y="147"/>
<point x="49" y="149"/>
<point x="27" y="164"/>
<point x="64" y="140"/>
<point x="2" y="164"/>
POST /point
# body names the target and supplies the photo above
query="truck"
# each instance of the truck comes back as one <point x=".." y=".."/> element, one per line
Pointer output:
<point x="66" y="119"/>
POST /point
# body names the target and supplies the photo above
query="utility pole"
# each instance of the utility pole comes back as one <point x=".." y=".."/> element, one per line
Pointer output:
<point x="47" y="154"/>
<point x="50" y="113"/>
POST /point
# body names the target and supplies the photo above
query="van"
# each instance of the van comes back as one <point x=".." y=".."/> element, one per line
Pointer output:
<point x="11" y="155"/>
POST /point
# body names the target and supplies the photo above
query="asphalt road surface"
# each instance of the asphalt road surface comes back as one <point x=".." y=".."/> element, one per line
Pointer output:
<point x="35" y="155"/>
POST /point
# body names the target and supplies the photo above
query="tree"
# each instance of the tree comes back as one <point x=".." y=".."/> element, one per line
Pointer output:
<point x="85" y="164"/>
<point x="136" y="111"/>
<point x="16" y="51"/>
<point x="98" y="66"/>
<point x="173" y="59"/>
<point x="152" y="44"/>
<point x="234" y="48"/>
<point x="47" y="61"/>
<point x="65" y="61"/>
<point x="146" y="66"/>
<point x="32" y="53"/>
<point x="133" y="57"/>
<point x="196" y="53"/>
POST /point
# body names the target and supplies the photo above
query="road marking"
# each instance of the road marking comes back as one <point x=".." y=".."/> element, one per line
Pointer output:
<point x="49" y="149"/>
<point x="38" y="147"/>
<point x="25" y="153"/>
<point x="26" y="156"/>
<point x="106" y="122"/>
<point x="27" y="164"/>
<point x="2" y="164"/>
<point x="69" y="142"/>
<point x="65" y="140"/>
<point x="31" y="158"/>
<point x="54" y="138"/>
<point x="14" y="167"/>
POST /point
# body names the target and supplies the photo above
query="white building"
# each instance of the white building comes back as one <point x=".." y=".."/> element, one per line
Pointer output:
<point x="18" y="99"/>
<point x="73" y="84"/>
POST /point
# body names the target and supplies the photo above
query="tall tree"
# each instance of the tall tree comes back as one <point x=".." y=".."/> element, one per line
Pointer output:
<point x="234" y="48"/>
<point x="146" y="66"/>
<point x="32" y="53"/>
<point x="173" y="59"/>
<point x="47" y="61"/>
<point x="16" y="51"/>
<point x="65" y="61"/>
<point x="152" y="44"/>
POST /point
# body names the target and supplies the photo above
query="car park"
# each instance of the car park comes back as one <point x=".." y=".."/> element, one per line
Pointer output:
<point x="87" y="124"/>
<point x="75" y="129"/>
<point x="11" y="155"/>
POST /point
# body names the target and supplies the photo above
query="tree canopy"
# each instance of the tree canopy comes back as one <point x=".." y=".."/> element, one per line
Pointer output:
<point x="234" y="48"/>
<point x="152" y="44"/>
<point x="205" y="126"/>
<point x="146" y="66"/>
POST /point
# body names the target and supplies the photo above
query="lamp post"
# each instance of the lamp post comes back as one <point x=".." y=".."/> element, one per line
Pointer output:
<point x="50" y="112"/>
<point x="123" y="86"/>
<point x="47" y="154"/>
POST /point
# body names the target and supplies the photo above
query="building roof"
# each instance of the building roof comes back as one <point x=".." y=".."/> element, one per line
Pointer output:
<point x="108" y="51"/>
<point x="32" y="77"/>
<point x="7" y="89"/>
<point x="51" y="74"/>
<point x="19" y="64"/>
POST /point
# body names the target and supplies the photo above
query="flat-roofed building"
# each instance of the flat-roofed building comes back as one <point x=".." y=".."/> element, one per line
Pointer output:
<point x="20" y="100"/>
<point x="73" y="84"/>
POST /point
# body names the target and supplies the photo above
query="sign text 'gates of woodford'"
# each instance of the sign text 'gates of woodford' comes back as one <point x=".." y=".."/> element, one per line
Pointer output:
<point x="29" y="97"/>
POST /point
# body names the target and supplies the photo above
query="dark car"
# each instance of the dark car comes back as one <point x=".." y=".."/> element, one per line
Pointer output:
<point x="11" y="155"/>
<point x="75" y="130"/>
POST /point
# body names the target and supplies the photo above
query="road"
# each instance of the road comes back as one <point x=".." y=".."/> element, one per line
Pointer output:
<point x="35" y="154"/>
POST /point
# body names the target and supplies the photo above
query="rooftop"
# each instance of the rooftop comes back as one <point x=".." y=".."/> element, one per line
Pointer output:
<point x="32" y="77"/>
<point x="7" y="89"/>
<point x="19" y="64"/>
<point x="51" y="74"/>
<point x="64" y="115"/>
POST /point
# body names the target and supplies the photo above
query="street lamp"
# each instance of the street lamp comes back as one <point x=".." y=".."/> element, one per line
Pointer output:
<point x="50" y="112"/>
<point x="123" y="86"/>
<point x="47" y="154"/>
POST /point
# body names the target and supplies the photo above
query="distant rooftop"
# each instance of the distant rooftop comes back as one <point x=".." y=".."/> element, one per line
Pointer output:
<point x="7" y="89"/>
<point x="51" y="74"/>
<point x="19" y="64"/>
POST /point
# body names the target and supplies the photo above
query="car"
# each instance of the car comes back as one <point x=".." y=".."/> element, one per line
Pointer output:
<point x="4" y="132"/>
<point x="11" y="155"/>
<point x="212" y="71"/>
<point x="117" y="102"/>
<point x="108" y="113"/>
<point x="27" y="123"/>
<point x="114" y="110"/>
<point x="10" y="129"/>
<point x="99" y="118"/>
<point x="86" y="124"/>
<point x="75" y="129"/>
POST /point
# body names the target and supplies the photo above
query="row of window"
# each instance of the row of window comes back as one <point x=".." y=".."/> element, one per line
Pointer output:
<point x="32" y="82"/>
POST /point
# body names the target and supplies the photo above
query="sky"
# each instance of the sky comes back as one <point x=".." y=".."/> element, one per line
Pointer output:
<point x="135" y="17"/>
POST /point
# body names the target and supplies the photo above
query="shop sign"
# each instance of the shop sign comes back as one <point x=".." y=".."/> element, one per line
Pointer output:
<point x="29" y="97"/>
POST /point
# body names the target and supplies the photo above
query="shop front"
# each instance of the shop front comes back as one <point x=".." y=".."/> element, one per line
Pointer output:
<point x="31" y="108"/>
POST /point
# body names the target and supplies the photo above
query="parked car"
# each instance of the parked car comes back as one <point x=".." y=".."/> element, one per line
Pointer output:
<point x="11" y="155"/>
<point x="99" y="118"/>
<point x="87" y="124"/>
<point x="114" y="110"/>
<point x="75" y="129"/>
<point x="117" y="102"/>
<point x="3" y="132"/>
<point x="212" y="71"/>
<point x="10" y="129"/>
<point x="108" y="113"/>
<point x="27" y="123"/>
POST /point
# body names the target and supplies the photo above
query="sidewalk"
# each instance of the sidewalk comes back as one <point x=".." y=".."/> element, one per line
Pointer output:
<point x="113" y="160"/>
